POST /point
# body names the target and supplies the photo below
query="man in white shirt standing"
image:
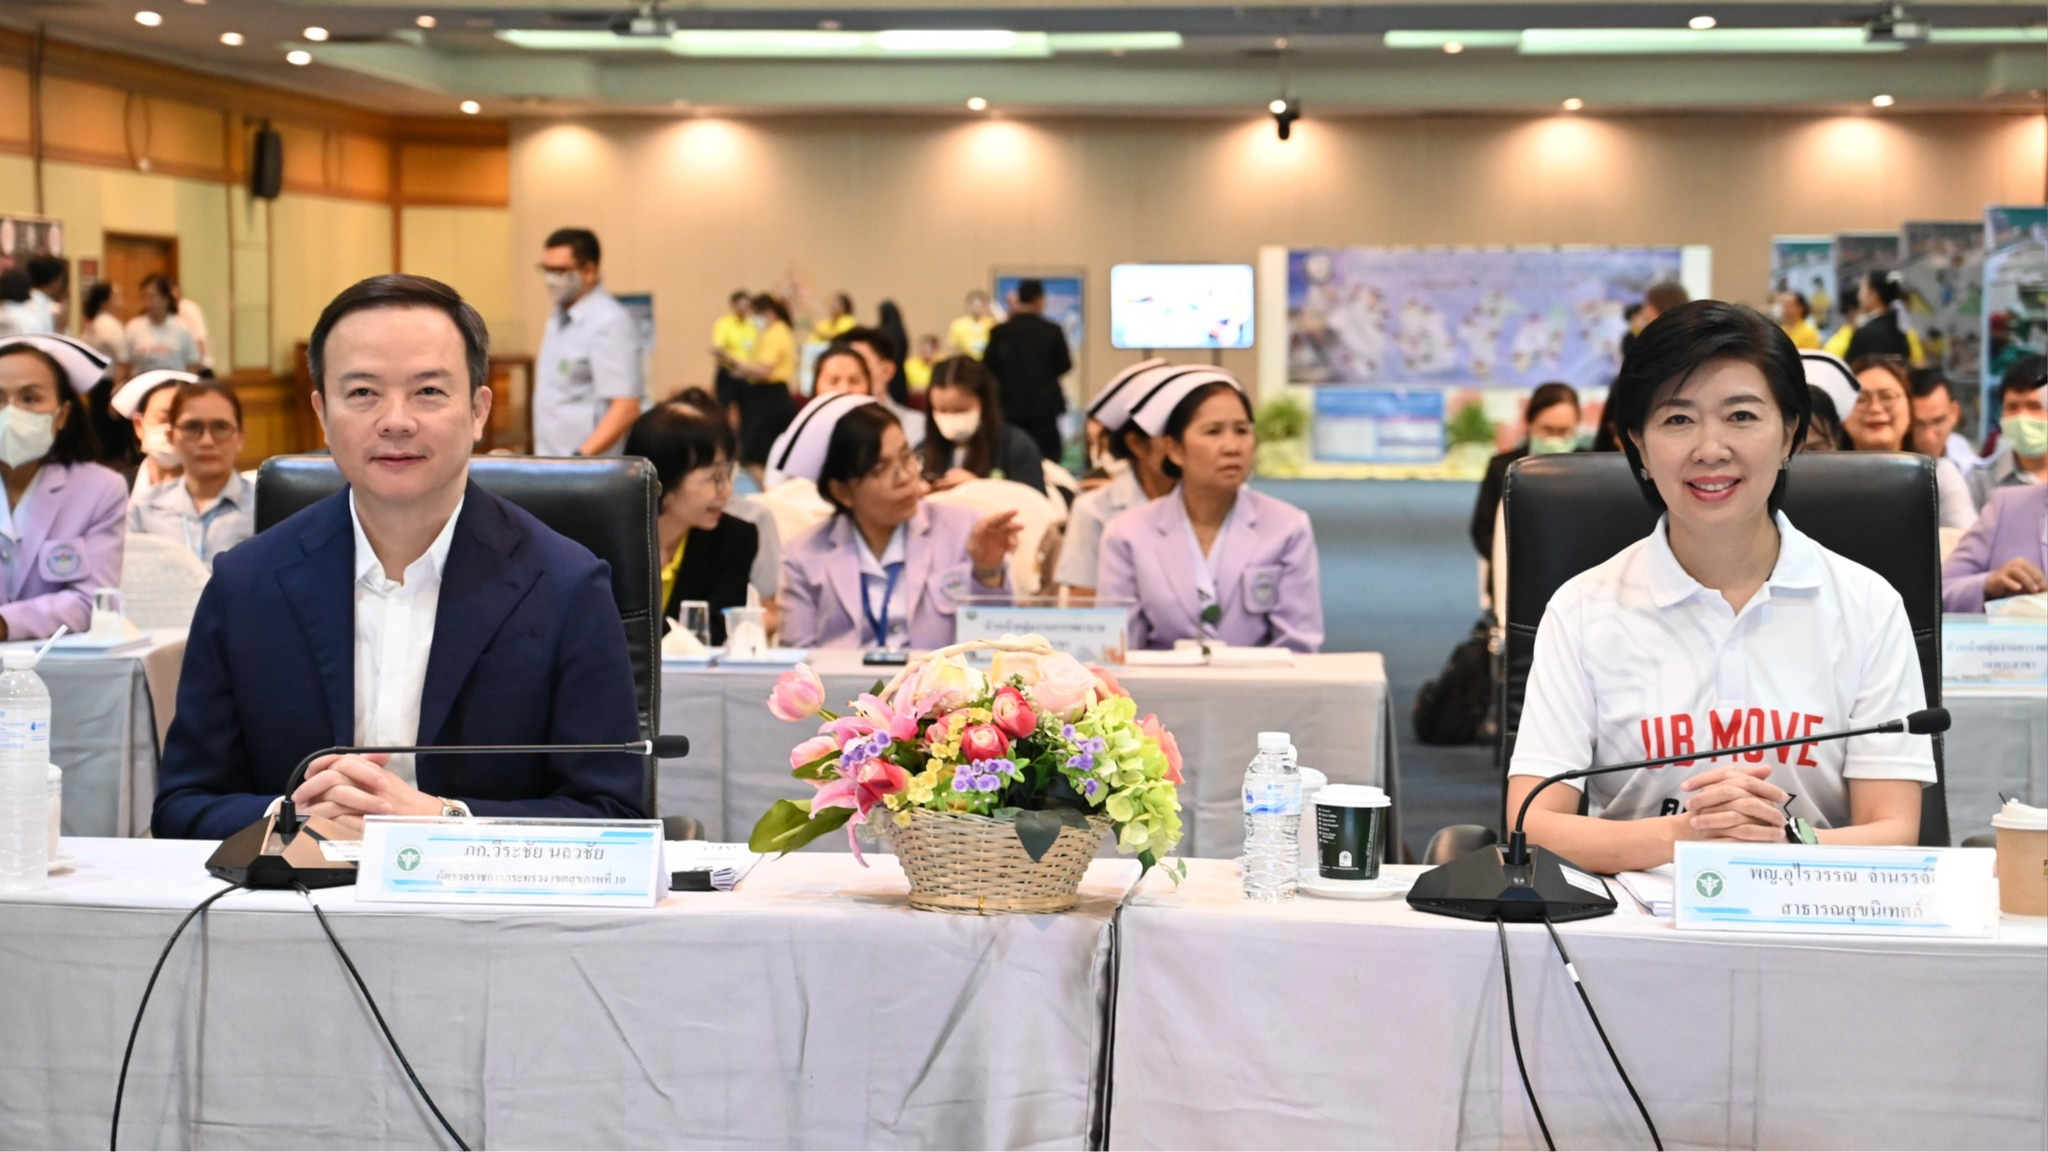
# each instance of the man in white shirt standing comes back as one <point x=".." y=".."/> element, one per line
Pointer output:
<point x="588" y="388"/>
<point x="48" y="281"/>
<point x="411" y="608"/>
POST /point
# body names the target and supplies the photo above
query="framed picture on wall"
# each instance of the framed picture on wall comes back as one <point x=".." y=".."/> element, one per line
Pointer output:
<point x="25" y="237"/>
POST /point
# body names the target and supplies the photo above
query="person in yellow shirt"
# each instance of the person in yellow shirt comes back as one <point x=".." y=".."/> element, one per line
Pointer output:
<point x="732" y="343"/>
<point x="766" y="408"/>
<point x="1796" y="318"/>
<point x="969" y="334"/>
<point x="838" y="323"/>
<point x="917" y="371"/>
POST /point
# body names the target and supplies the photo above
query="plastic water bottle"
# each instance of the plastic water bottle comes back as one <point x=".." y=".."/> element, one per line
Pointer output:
<point x="1272" y="821"/>
<point x="24" y="775"/>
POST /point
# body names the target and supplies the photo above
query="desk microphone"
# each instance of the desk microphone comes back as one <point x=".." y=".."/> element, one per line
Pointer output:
<point x="271" y="853"/>
<point x="1523" y="884"/>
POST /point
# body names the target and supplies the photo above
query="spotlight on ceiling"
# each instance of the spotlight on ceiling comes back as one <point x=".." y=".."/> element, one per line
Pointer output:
<point x="298" y="56"/>
<point x="425" y="21"/>
<point x="1286" y="111"/>
<point x="1574" y="104"/>
<point x="977" y="104"/>
<point x="1882" y="101"/>
<point x="1453" y="47"/>
<point x="148" y="19"/>
<point x="231" y="39"/>
<point x="316" y="34"/>
<point x="471" y="107"/>
<point x="1701" y="23"/>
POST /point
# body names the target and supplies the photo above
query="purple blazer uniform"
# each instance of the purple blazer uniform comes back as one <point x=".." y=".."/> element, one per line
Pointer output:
<point x="821" y="604"/>
<point x="2013" y="523"/>
<point x="1268" y="580"/>
<point x="72" y="533"/>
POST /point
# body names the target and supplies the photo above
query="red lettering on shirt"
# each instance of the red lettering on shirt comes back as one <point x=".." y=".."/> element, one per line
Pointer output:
<point x="1806" y="750"/>
<point x="1753" y="733"/>
<point x="1726" y="735"/>
<point x="1681" y="736"/>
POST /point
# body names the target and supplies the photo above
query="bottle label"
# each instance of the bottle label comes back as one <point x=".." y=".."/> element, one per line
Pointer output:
<point x="1278" y="796"/>
<point x="25" y="730"/>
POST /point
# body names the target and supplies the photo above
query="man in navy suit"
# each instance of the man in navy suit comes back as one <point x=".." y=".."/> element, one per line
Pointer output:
<point x="410" y="608"/>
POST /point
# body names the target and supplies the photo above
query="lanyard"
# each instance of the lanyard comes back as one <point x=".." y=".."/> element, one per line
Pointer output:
<point x="880" y="624"/>
<point x="1203" y="567"/>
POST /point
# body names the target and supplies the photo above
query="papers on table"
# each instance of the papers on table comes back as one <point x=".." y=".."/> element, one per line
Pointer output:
<point x="1652" y="889"/>
<point x="87" y="644"/>
<point x="1193" y="654"/>
<point x="702" y="866"/>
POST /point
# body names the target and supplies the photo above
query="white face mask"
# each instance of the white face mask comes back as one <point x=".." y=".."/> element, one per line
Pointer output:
<point x="156" y="443"/>
<point x="1108" y="464"/>
<point x="563" y="287"/>
<point x="957" y="427"/>
<point x="25" y="436"/>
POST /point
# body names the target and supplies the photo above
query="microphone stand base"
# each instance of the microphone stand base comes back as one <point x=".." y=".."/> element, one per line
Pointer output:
<point x="259" y="856"/>
<point x="1482" y="885"/>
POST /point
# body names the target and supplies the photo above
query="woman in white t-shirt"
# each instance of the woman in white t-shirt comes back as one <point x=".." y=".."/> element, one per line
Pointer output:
<point x="1726" y="626"/>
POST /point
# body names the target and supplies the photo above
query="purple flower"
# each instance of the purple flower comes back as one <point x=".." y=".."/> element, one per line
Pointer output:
<point x="1090" y="787"/>
<point x="1067" y="732"/>
<point x="1081" y="762"/>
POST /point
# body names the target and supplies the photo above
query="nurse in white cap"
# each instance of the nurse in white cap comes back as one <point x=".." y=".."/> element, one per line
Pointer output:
<point x="1211" y="560"/>
<point x="62" y="524"/>
<point x="1135" y="475"/>
<point x="145" y="399"/>
<point x="887" y="570"/>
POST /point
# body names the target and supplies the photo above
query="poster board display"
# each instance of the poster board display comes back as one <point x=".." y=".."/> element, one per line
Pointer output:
<point x="1806" y="265"/>
<point x="2014" y="320"/>
<point x="1857" y="253"/>
<point x="1941" y="270"/>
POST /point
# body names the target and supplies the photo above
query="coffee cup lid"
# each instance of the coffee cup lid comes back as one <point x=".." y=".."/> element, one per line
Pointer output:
<point x="2015" y="815"/>
<point x="1352" y="796"/>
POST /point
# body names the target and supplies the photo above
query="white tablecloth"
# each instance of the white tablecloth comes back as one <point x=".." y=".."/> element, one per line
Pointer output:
<point x="107" y="717"/>
<point x="1339" y="1024"/>
<point x="1997" y="743"/>
<point x="811" y="1008"/>
<point x="1336" y="706"/>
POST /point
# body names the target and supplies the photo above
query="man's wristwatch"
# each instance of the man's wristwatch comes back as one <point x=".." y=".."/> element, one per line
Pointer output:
<point x="453" y="807"/>
<point x="1799" y="831"/>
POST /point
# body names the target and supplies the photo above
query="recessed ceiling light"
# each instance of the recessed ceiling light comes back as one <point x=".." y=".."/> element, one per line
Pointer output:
<point x="298" y="56"/>
<point x="1280" y="42"/>
<point x="148" y="19"/>
<point x="231" y="39"/>
<point x="977" y="104"/>
<point x="1701" y="23"/>
<point x="471" y="107"/>
<point x="425" y="21"/>
<point x="316" y="34"/>
<point x="1453" y="47"/>
<point x="829" y="25"/>
<point x="195" y="1"/>
<point x="1277" y="107"/>
<point x="1574" y="104"/>
<point x="1881" y="101"/>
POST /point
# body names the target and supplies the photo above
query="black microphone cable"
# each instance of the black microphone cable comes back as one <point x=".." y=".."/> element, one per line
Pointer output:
<point x="1573" y="972"/>
<point x="135" y="1029"/>
<point x="1507" y="979"/>
<point x="379" y="1016"/>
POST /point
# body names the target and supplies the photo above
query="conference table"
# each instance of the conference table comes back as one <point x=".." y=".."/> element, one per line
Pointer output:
<point x="1336" y="706"/>
<point x="812" y="1007"/>
<point x="108" y="714"/>
<point x="1997" y="745"/>
<point x="1367" y="1024"/>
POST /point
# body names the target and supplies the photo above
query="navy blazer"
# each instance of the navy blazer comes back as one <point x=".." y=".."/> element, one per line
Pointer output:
<point x="528" y="648"/>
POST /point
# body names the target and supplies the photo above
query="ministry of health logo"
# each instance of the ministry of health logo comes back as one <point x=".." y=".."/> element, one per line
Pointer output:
<point x="1708" y="884"/>
<point x="408" y="859"/>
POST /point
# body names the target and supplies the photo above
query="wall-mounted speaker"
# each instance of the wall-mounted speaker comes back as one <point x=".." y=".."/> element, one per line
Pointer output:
<point x="266" y="163"/>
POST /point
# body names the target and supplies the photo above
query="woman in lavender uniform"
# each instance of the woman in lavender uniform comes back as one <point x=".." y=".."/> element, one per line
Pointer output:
<point x="63" y="520"/>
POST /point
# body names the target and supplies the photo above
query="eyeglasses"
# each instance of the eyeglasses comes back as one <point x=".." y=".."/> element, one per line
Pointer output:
<point x="200" y="429"/>
<point x="906" y="464"/>
<point x="1885" y="396"/>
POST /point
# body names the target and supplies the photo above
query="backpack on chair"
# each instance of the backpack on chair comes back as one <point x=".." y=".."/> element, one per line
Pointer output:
<point x="1453" y="708"/>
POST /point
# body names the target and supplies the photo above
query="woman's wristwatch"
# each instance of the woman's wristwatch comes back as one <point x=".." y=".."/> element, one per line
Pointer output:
<point x="453" y="807"/>
<point x="1799" y="831"/>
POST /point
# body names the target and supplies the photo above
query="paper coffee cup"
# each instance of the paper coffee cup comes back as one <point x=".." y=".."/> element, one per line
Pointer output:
<point x="2022" y="859"/>
<point x="1351" y="823"/>
<point x="1312" y="782"/>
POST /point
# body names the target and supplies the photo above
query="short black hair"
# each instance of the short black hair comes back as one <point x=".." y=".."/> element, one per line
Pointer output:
<point x="14" y="286"/>
<point x="96" y="298"/>
<point x="162" y="284"/>
<point x="739" y="295"/>
<point x="1805" y="306"/>
<point x="1550" y="396"/>
<point x="1030" y="290"/>
<point x="883" y="344"/>
<point x="767" y="303"/>
<point x="192" y="391"/>
<point x="1927" y="381"/>
<point x="855" y="449"/>
<point x="2025" y="375"/>
<point x="1888" y="285"/>
<point x="395" y="290"/>
<point x="678" y="439"/>
<point x="840" y="348"/>
<point x="581" y="243"/>
<point x="44" y="271"/>
<point x="1183" y="414"/>
<point x="77" y="441"/>
<point x="1682" y="341"/>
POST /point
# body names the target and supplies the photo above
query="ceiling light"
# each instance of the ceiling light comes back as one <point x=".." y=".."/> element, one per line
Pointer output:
<point x="1453" y="47"/>
<point x="471" y="107"/>
<point x="809" y="43"/>
<point x="148" y="19"/>
<point x="1882" y="101"/>
<point x="1639" y="41"/>
<point x="830" y="25"/>
<point x="231" y="39"/>
<point x="1285" y="112"/>
<point x="1701" y="23"/>
<point x="298" y="56"/>
<point x="316" y="34"/>
<point x="1280" y="42"/>
<point x="976" y="104"/>
<point x="946" y="40"/>
<point x="1437" y="40"/>
<point x="425" y="21"/>
<point x="1574" y="104"/>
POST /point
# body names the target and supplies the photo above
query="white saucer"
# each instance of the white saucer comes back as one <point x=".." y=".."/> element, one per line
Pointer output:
<point x="1384" y="888"/>
<point x="63" y="864"/>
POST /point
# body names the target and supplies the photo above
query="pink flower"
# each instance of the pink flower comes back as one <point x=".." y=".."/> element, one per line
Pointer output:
<point x="817" y="747"/>
<point x="884" y="716"/>
<point x="1013" y="714"/>
<point x="1152" y="728"/>
<point x="983" y="742"/>
<point x="860" y="791"/>
<point x="941" y="686"/>
<point x="1065" y="688"/>
<point x="798" y="694"/>
<point x="1109" y="685"/>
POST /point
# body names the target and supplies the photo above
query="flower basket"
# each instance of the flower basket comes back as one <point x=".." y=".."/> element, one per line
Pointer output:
<point x="961" y="862"/>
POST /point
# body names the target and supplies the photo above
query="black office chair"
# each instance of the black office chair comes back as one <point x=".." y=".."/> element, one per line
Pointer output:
<point x="1567" y="513"/>
<point x="605" y="504"/>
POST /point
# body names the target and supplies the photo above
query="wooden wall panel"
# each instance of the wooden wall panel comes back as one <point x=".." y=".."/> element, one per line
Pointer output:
<point x="186" y="139"/>
<point x="455" y="174"/>
<point x="89" y="123"/>
<point x="14" y="119"/>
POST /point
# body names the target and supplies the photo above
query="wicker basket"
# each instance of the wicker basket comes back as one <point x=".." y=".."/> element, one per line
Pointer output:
<point x="961" y="862"/>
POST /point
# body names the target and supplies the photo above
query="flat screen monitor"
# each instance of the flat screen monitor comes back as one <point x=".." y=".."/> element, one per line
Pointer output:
<point x="1180" y="306"/>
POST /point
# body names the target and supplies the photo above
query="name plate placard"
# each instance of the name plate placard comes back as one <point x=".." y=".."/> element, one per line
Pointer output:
<point x="1092" y="634"/>
<point x="1987" y="650"/>
<point x="502" y="860"/>
<point x="1833" y="890"/>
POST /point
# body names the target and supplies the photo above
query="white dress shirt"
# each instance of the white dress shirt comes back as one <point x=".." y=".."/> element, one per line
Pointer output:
<point x="886" y="599"/>
<point x="394" y="634"/>
<point x="590" y="355"/>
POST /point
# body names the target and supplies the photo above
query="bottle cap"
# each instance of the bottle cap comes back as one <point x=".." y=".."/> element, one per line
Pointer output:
<point x="23" y="659"/>
<point x="1274" y="742"/>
